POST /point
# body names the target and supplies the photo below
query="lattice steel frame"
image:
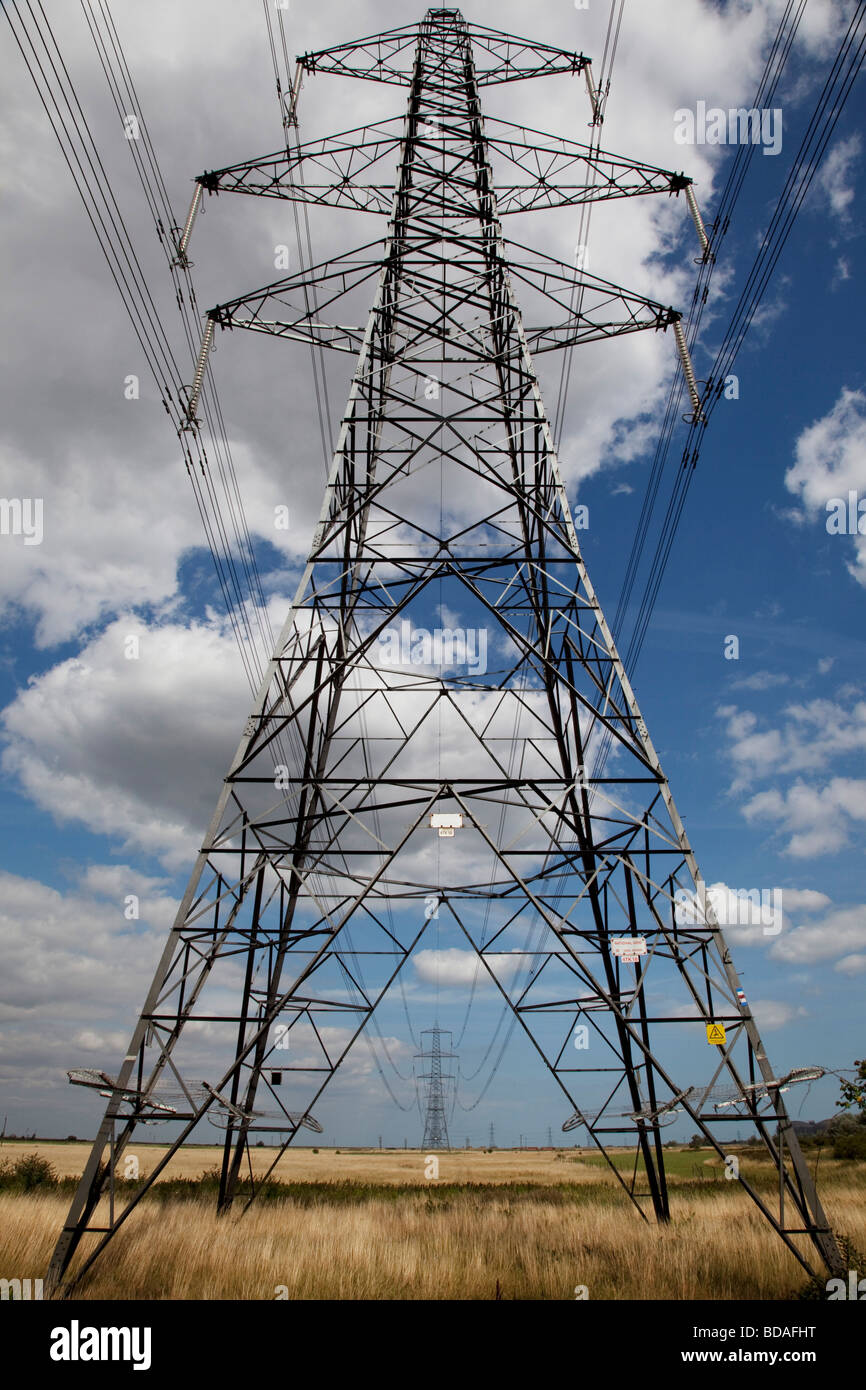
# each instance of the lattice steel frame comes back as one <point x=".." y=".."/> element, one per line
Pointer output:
<point x="435" y="1134"/>
<point x="334" y="840"/>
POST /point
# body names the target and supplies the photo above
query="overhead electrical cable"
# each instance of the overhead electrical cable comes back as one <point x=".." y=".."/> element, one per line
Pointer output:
<point x="56" y="91"/>
<point x="585" y="213"/>
<point x="126" y="100"/>
<point x="828" y="109"/>
<point x="774" y="66"/>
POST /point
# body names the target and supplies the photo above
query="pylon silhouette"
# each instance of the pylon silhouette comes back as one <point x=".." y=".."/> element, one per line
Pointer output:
<point x="495" y="761"/>
<point x="435" y="1117"/>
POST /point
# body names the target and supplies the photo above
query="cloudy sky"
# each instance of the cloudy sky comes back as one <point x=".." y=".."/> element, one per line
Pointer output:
<point x="111" y="765"/>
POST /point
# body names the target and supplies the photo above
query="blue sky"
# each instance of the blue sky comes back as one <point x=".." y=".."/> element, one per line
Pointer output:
<point x="111" y="768"/>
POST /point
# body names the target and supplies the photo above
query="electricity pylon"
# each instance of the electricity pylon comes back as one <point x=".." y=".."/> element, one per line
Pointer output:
<point x="435" y="1118"/>
<point x="497" y="766"/>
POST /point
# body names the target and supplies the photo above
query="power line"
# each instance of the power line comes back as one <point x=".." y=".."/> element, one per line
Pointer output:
<point x="824" y="118"/>
<point x="56" y="91"/>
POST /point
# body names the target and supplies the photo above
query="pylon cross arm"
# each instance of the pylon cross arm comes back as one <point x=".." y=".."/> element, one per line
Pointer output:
<point x="513" y="59"/>
<point x="340" y="159"/>
<point x="329" y="171"/>
<point x="607" y="310"/>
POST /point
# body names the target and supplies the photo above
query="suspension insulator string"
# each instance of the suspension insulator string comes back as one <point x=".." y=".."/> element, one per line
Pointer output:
<point x="290" y="116"/>
<point x="698" y="416"/>
<point x="699" y="225"/>
<point x="593" y="95"/>
<point x="183" y="243"/>
<point x="198" y="379"/>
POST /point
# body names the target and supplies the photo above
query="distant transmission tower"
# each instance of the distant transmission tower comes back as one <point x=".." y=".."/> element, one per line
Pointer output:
<point x="435" y="1120"/>
<point x="561" y="859"/>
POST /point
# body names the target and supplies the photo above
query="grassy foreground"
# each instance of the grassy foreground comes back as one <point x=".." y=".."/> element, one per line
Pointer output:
<point x="413" y="1248"/>
<point x="514" y="1237"/>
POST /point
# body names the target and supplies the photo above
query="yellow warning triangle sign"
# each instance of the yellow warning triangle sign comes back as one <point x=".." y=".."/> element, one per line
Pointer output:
<point x="715" y="1033"/>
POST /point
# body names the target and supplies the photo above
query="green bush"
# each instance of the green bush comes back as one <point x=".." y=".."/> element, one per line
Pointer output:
<point x="27" y="1172"/>
<point x="842" y="1124"/>
<point x="852" y="1145"/>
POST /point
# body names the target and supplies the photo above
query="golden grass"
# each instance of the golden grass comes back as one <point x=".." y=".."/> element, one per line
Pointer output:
<point x="364" y="1243"/>
<point x="716" y="1247"/>
<point x="398" y="1166"/>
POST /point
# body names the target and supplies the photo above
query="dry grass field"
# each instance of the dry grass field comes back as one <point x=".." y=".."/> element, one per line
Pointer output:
<point x="368" y="1225"/>
<point x="328" y="1165"/>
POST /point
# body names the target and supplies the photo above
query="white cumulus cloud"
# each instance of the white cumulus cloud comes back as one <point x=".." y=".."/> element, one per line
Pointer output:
<point x="456" y="967"/>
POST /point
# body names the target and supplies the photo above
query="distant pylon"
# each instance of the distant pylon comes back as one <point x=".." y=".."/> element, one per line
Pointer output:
<point x="435" y="1122"/>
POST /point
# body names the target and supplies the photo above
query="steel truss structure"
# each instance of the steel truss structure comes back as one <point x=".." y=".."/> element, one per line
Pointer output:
<point x="569" y="875"/>
<point x="436" y="1083"/>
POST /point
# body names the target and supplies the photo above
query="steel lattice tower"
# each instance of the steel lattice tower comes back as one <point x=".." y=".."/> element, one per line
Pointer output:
<point x="435" y="1118"/>
<point x="445" y="497"/>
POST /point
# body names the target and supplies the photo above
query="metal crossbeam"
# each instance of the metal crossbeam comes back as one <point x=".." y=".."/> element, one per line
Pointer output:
<point x="332" y="172"/>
